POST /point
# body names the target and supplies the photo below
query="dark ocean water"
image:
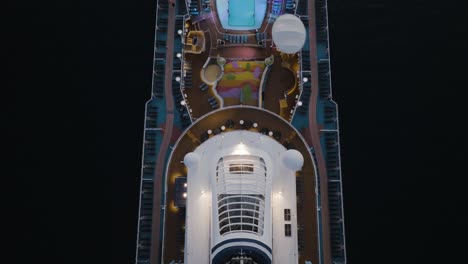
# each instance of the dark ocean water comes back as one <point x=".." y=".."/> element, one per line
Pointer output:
<point x="398" y="75"/>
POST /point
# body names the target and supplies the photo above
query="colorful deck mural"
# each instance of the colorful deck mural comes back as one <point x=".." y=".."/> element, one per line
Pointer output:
<point x="240" y="82"/>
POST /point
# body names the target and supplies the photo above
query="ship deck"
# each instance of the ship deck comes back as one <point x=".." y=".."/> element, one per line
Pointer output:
<point x="279" y="99"/>
<point x="307" y="204"/>
<point x="280" y="79"/>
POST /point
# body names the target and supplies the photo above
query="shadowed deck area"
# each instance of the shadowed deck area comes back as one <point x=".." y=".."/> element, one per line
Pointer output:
<point x="285" y="134"/>
<point x="193" y="66"/>
<point x="245" y="52"/>
<point x="279" y="81"/>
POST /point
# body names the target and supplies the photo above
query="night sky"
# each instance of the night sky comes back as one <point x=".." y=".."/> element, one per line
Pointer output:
<point x="81" y="74"/>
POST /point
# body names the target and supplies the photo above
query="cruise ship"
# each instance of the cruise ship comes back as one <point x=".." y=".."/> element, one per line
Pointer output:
<point x="241" y="153"/>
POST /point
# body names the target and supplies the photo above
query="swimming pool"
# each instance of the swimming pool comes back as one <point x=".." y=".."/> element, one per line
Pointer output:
<point x="241" y="13"/>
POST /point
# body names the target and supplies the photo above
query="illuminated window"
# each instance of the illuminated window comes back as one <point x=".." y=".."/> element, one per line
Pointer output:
<point x="239" y="213"/>
<point x="241" y="191"/>
<point x="241" y="168"/>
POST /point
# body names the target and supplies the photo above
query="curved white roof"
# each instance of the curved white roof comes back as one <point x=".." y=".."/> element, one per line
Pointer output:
<point x="234" y="180"/>
<point x="289" y="33"/>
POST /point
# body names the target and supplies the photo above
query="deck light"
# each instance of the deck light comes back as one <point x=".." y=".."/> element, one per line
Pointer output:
<point x="240" y="149"/>
<point x="185" y="185"/>
<point x="177" y="79"/>
<point x="255" y="125"/>
<point x="182" y="102"/>
<point x="179" y="31"/>
<point x="241" y="122"/>
<point x="270" y="133"/>
<point x="209" y="131"/>
<point x="184" y="195"/>
<point x="223" y="128"/>
<point x="305" y="79"/>
<point x="179" y="55"/>
<point x="299" y="103"/>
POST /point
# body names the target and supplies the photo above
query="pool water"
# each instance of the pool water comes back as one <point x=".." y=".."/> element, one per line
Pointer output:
<point x="241" y="13"/>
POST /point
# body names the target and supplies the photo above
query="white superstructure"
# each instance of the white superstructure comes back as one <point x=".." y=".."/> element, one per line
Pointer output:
<point x="241" y="200"/>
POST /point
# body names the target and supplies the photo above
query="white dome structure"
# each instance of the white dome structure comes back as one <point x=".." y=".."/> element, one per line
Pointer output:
<point x="289" y="33"/>
<point x="191" y="159"/>
<point x="293" y="160"/>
